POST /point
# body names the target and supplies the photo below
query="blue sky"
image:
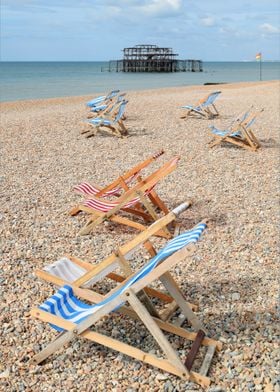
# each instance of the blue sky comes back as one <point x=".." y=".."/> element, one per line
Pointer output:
<point x="93" y="30"/>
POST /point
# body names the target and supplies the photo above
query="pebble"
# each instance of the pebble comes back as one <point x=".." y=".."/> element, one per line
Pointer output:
<point x="232" y="276"/>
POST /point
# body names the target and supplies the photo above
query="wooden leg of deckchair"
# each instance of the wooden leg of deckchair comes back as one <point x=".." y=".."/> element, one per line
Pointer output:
<point x="152" y="212"/>
<point x="92" y="132"/>
<point x="253" y="137"/>
<point x="86" y="127"/>
<point x="142" y="214"/>
<point x="188" y="113"/>
<point x="248" y="138"/>
<point x="239" y="143"/>
<point x="155" y="331"/>
<point x="123" y="129"/>
<point x="112" y="130"/>
<point x="54" y="346"/>
<point x="172" y="288"/>
<point x="252" y="141"/>
<point x="216" y="114"/>
<point x="156" y="200"/>
<point x="75" y="210"/>
<point x="143" y="294"/>
<point x="217" y="140"/>
<point x="90" y="224"/>
<point x="169" y="311"/>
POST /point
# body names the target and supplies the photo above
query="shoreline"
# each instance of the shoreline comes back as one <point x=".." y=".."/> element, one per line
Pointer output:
<point x="164" y="90"/>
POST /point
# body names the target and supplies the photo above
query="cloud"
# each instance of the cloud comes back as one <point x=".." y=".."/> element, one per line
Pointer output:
<point x="269" y="29"/>
<point x="208" y="21"/>
<point x="161" y="7"/>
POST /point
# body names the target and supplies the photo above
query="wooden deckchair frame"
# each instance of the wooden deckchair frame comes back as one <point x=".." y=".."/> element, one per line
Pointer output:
<point x="139" y="190"/>
<point x="121" y="181"/>
<point x="155" y="326"/>
<point x="118" y="257"/>
<point x="205" y="112"/>
<point x="116" y="129"/>
<point x="247" y="139"/>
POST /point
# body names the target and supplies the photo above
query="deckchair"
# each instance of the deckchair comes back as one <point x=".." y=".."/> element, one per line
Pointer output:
<point x="101" y="209"/>
<point x="111" y="123"/>
<point x="69" y="269"/>
<point x="106" y="108"/>
<point x="73" y="317"/>
<point x="203" y="107"/>
<point x="120" y="184"/>
<point x="239" y="134"/>
<point x="103" y="98"/>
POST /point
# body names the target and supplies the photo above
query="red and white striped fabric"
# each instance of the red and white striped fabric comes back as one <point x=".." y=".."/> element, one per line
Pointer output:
<point x="87" y="189"/>
<point x="107" y="205"/>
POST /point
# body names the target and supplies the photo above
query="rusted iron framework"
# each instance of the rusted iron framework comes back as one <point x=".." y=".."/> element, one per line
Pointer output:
<point x="151" y="58"/>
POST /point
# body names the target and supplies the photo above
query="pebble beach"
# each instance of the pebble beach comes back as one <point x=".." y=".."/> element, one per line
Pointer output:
<point x="233" y="276"/>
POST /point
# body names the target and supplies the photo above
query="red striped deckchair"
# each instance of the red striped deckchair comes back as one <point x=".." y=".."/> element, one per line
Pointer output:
<point x="121" y="183"/>
<point x="101" y="209"/>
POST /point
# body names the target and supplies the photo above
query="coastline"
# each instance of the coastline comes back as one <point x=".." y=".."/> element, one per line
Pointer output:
<point x="163" y="90"/>
<point x="233" y="275"/>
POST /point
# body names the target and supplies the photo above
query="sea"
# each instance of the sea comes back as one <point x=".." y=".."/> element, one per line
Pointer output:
<point x="36" y="80"/>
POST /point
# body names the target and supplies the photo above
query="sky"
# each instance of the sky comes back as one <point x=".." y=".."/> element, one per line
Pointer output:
<point x="96" y="30"/>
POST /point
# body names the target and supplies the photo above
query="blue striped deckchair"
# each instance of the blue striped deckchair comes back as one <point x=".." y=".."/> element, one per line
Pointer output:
<point x="203" y="107"/>
<point x="65" y="305"/>
<point x="103" y="98"/>
<point x="71" y="316"/>
<point x="106" y="108"/>
<point x="109" y="123"/>
<point x="239" y="133"/>
<point x="71" y="270"/>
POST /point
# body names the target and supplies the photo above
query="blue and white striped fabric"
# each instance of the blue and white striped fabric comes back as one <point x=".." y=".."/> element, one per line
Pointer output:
<point x="209" y="101"/>
<point x="102" y="121"/>
<point x="98" y="100"/>
<point x="212" y="97"/>
<point x="224" y="133"/>
<point x="99" y="108"/>
<point x="65" y="305"/>
<point x="228" y="132"/>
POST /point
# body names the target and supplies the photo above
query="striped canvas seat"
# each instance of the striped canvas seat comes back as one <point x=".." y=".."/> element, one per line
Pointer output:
<point x="67" y="270"/>
<point x="65" y="305"/>
<point x="229" y="131"/>
<point x="107" y="205"/>
<point x="224" y="133"/>
<point x="99" y="121"/>
<point x="204" y="104"/>
<point x="101" y="108"/>
<point x="238" y="133"/>
<point x="98" y="100"/>
<point x="87" y="189"/>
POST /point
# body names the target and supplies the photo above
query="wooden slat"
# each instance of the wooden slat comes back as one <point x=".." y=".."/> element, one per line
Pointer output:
<point x="194" y="350"/>
<point x="154" y="330"/>
<point x="207" y="361"/>
<point x="175" y="292"/>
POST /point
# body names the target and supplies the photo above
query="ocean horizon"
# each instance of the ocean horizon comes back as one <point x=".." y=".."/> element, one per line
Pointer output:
<point x="51" y="79"/>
